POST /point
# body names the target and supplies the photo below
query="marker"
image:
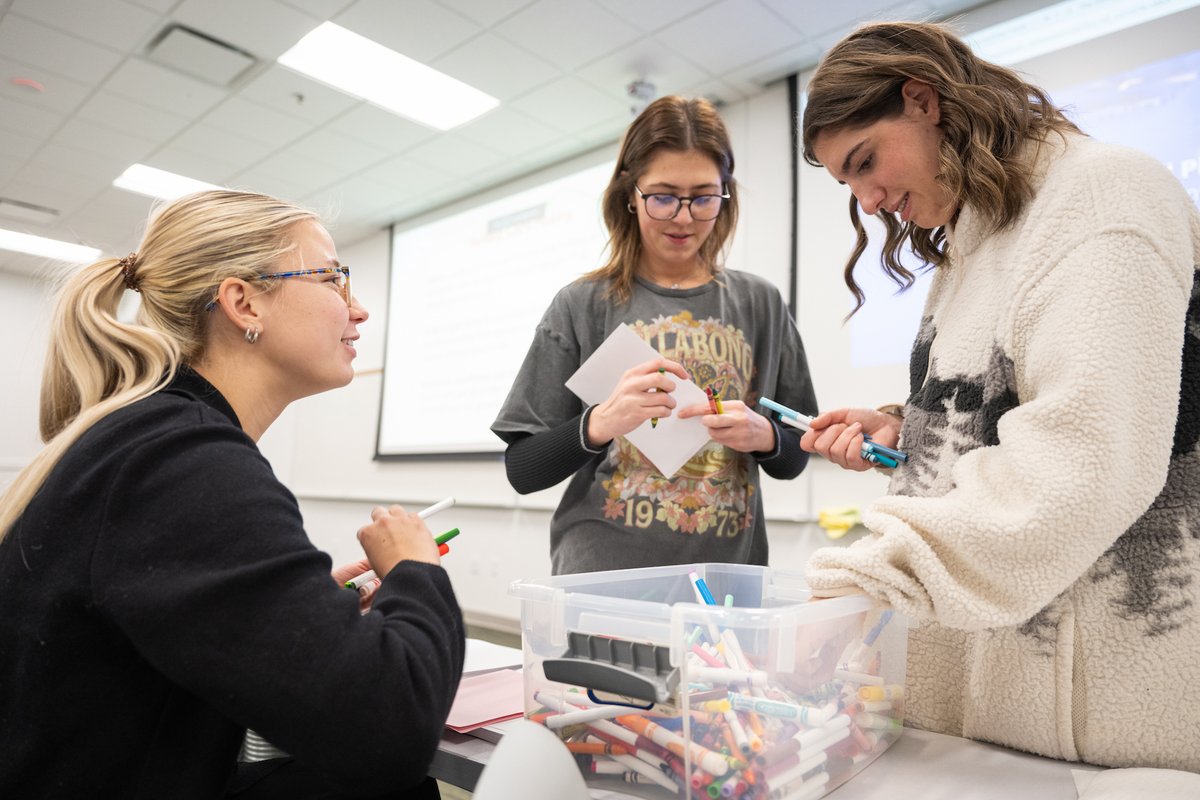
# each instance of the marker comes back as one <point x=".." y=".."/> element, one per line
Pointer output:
<point x="654" y="420"/>
<point x="425" y="513"/>
<point x="717" y="400"/>
<point x="871" y="451"/>
<point x="712" y="400"/>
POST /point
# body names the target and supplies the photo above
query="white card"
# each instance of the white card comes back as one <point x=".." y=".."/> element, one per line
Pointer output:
<point x="669" y="445"/>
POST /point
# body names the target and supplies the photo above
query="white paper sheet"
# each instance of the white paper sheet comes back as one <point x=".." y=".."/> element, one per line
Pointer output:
<point x="669" y="445"/>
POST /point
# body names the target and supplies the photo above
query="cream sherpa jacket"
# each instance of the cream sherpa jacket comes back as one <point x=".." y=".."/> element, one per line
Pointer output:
<point x="1045" y="534"/>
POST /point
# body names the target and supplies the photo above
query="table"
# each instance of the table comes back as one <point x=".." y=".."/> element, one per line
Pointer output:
<point x="931" y="766"/>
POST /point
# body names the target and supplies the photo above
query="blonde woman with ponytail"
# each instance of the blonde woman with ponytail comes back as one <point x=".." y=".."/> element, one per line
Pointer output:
<point x="159" y="593"/>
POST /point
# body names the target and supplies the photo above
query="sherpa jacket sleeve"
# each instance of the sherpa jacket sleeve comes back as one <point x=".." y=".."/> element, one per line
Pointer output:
<point x="1095" y="336"/>
<point x="204" y="565"/>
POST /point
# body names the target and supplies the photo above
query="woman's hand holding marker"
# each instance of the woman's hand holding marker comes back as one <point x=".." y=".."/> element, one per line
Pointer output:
<point x="838" y="435"/>
<point x="388" y="536"/>
<point x="644" y="392"/>
<point x="733" y="424"/>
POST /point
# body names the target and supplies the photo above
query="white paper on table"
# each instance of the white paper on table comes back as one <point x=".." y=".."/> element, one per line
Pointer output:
<point x="669" y="445"/>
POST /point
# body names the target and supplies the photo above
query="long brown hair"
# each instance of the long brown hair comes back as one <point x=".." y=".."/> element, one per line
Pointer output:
<point x="676" y="124"/>
<point x="97" y="364"/>
<point x="987" y="114"/>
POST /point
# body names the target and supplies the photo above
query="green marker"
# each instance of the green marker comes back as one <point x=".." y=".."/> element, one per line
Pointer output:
<point x="447" y="536"/>
<point x="654" y="420"/>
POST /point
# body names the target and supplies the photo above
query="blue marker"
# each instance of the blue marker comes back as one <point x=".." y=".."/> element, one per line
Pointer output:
<point x="875" y="453"/>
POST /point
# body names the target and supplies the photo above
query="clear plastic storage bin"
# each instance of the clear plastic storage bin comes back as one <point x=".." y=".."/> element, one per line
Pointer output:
<point x="764" y="693"/>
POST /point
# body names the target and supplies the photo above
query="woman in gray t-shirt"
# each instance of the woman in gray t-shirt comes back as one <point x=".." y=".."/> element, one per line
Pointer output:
<point x="670" y="207"/>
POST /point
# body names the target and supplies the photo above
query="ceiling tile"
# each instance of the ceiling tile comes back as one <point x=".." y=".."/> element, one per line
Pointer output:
<point x="731" y="34"/>
<point x="8" y="168"/>
<point x="487" y="12"/>
<point x="509" y="132"/>
<point x="210" y="168"/>
<point x="33" y="43"/>
<point x="64" y="198"/>
<point x="653" y="16"/>
<point x="409" y="178"/>
<point x="115" y="220"/>
<point x="648" y="59"/>
<point x="320" y="9"/>
<point x="381" y="128"/>
<point x="570" y="105"/>
<point x="419" y="29"/>
<point x="163" y="88"/>
<point x="57" y="94"/>
<point x="219" y="145"/>
<point x="29" y="120"/>
<point x="304" y="175"/>
<point x="567" y="35"/>
<point x="337" y="150"/>
<point x="284" y="188"/>
<point x="257" y="122"/>
<point x="161" y="6"/>
<point x="758" y="74"/>
<point x="291" y="93"/>
<point x="454" y="155"/>
<point x="264" y="28"/>
<point x="360" y="197"/>
<point x="114" y="24"/>
<point x="92" y="137"/>
<point x="77" y="163"/>
<point x="18" y="144"/>
<point x="123" y="114"/>
<point x="497" y="66"/>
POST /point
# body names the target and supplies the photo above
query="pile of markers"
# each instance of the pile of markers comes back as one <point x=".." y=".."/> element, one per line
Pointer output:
<point x="737" y="731"/>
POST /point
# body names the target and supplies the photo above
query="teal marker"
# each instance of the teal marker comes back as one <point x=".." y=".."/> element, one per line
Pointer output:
<point x="654" y="420"/>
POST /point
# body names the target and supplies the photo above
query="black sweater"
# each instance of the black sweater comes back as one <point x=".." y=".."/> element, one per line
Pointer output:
<point x="160" y="595"/>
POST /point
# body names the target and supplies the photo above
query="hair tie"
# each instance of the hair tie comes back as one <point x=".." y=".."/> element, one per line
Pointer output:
<point x="126" y="264"/>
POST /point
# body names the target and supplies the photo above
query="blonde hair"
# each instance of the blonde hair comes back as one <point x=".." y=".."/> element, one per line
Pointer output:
<point x="988" y="113"/>
<point x="97" y="364"/>
<point x="674" y="124"/>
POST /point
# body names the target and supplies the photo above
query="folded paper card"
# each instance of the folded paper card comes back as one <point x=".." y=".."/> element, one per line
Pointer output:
<point x="487" y="698"/>
<point x="673" y="441"/>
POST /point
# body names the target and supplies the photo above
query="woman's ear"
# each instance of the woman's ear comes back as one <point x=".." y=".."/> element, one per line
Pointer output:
<point x="240" y="304"/>
<point x="921" y="99"/>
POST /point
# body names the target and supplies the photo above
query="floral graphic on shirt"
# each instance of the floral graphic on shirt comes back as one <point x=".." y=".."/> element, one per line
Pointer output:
<point x="711" y="494"/>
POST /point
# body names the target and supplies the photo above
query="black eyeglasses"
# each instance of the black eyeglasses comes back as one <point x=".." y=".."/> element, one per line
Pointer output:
<point x="702" y="207"/>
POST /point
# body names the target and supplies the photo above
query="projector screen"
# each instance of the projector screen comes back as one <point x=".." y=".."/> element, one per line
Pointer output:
<point x="468" y="285"/>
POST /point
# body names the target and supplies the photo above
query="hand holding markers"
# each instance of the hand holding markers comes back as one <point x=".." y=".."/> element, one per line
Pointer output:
<point x="395" y="535"/>
<point x="850" y="438"/>
<point x="732" y="423"/>
<point x="643" y="393"/>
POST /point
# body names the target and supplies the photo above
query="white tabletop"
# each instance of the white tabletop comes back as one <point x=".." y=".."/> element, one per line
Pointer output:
<point x="931" y="766"/>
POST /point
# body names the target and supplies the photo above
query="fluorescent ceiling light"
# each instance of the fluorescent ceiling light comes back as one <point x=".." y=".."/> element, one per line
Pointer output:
<point x="1064" y="24"/>
<point x="49" y="248"/>
<point x="158" y="183"/>
<point x="358" y="66"/>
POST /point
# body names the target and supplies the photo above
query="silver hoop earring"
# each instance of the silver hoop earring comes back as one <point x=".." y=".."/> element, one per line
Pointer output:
<point x="252" y="335"/>
<point x="632" y="210"/>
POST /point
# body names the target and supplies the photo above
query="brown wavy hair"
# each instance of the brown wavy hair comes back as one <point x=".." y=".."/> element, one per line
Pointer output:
<point x="988" y="113"/>
<point x="676" y="124"/>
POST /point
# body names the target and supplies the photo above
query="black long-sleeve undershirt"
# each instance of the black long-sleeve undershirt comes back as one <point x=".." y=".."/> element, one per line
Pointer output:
<point x="536" y="461"/>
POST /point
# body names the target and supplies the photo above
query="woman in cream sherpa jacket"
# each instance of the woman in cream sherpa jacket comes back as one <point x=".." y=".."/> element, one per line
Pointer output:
<point x="1044" y="535"/>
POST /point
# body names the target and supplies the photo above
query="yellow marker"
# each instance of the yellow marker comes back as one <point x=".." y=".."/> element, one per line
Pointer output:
<point x="717" y="400"/>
